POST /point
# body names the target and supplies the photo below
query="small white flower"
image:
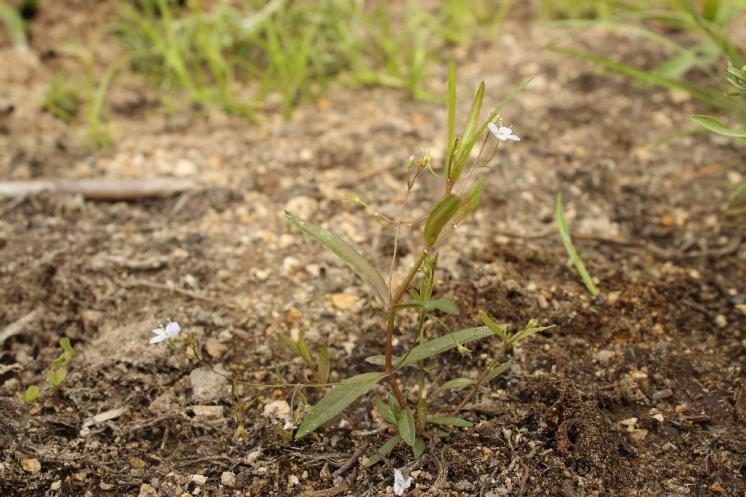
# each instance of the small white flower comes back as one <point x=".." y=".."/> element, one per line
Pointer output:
<point x="289" y="426"/>
<point x="162" y="333"/>
<point x="502" y="133"/>
<point x="400" y="484"/>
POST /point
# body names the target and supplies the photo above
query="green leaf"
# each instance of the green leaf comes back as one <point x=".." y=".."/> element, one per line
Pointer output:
<point x="461" y="154"/>
<point x="384" y="450"/>
<point x="348" y="254"/>
<point x="67" y="353"/>
<point x="447" y="306"/>
<point x="469" y="202"/>
<point x="496" y="372"/>
<point x="324" y="364"/>
<point x="55" y="377"/>
<point x="449" y="421"/>
<point x="451" y="110"/>
<point x="500" y="330"/>
<point x="387" y="412"/>
<point x="303" y="351"/>
<point x="291" y="344"/>
<point x="570" y="248"/>
<point x="380" y="360"/>
<point x="531" y="328"/>
<point x="443" y="344"/>
<point x="418" y="448"/>
<point x="443" y="211"/>
<point x="406" y="426"/>
<point x="338" y="398"/>
<point x="456" y="383"/>
<point x="716" y="126"/>
<point x="31" y="394"/>
<point x="701" y="93"/>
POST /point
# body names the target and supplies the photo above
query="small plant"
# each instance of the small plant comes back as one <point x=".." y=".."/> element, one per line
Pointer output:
<point x="737" y="78"/>
<point x="406" y="411"/>
<point x="56" y="375"/>
<point x="63" y="99"/>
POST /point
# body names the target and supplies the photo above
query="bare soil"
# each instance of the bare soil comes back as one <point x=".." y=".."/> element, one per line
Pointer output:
<point x="641" y="392"/>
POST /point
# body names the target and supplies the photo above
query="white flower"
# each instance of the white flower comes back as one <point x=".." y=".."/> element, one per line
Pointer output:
<point x="400" y="484"/>
<point x="502" y="133"/>
<point x="161" y="333"/>
<point x="289" y="426"/>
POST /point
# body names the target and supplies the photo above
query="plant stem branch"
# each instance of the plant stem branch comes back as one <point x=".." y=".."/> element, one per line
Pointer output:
<point x="475" y="386"/>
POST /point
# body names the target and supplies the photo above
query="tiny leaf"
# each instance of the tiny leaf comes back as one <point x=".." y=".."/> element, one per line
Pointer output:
<point x="348" y="254"/>
<point x="388" y="414"/>
<point x="338" y="398"/>
<point x="31" y="394"/>
<point x="291" y="344"/>
<point x="496" y="372"/>
<point x="406" y="426"/>
<point x="442" y="305"/>
<point x="443" y="211"/>
<point x="303" y="351"/>
<point x="456" y="383"/>
<point x="500" y="330"/>
<point x="55" y="377"/>
<point x="419" y="448"/>
<point x="450" y="421"/>
<point x="716" y="126"/>
<point x="324" y="364"/>
<point x="384" y="450"/>
<point x="380" y="360"/>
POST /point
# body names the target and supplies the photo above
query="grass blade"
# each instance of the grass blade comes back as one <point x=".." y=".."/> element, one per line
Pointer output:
<point x="567" y="242"/>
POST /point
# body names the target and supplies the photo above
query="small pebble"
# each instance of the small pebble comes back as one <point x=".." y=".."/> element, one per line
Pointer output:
<point x="228" y="478"/>
<point x="32" y="466"/>
<point x="721" y="321"/>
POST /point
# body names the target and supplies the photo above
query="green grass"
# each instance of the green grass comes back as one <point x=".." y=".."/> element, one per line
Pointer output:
<point x="564" y="232"/>
<point x="692" y="66"/>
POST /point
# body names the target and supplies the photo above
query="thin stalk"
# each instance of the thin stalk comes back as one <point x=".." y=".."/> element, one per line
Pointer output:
<point x="475" y="386"/>
<point x="391" y="326"/>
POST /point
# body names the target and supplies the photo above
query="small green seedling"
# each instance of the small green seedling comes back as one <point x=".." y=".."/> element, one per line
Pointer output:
<point x="564" y="231"/>
<point x="56" y="374"/>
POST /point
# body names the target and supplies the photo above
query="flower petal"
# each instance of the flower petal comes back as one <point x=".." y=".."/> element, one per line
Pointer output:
<point x="158" y="331"/>
<point x="172" y="328"/>
<point x="158" y="339"/>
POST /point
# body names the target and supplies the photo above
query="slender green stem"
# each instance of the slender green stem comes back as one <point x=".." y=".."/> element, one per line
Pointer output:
<point x="391" y="327"/>
<point x="475" y="386"/>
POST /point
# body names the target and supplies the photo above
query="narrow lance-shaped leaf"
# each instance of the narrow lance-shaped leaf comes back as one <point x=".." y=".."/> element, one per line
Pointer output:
<point x="496" y="371"/>
<point x="451" y="112"/>
<point x="469" y="202"/>
<point x="449" y="421"/>
<point x="348" y="254"/>
<point x="324" y="364"/>
<point x="442" y="305"/>
<point x="338" y="398"/>
<point x="570" y="248"/>
<point x="456" y="383"/>
<point x="443" y="344"/>
<point x="388" y="414"/>
<point x="500" y="330"/>
<point x="469" y="137"/>
<point x="716" y="126"/>
<point x="419" y="448"/>
<point x="443" y="211"/>
<point x="406" y="426"/>
<point x="384" y="450"/>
